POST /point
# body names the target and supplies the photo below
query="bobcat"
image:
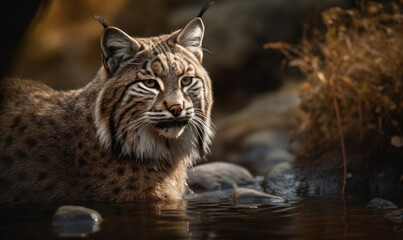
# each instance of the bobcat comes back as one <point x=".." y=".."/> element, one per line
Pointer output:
<point x="129" y="135"/>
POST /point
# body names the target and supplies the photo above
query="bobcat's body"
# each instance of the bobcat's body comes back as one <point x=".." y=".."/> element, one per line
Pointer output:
<point x="129" y="135"/>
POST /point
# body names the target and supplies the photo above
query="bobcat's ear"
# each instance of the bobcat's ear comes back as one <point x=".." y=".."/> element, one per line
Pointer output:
<point x="191" y="37"/>
<point x="117" y="47"/>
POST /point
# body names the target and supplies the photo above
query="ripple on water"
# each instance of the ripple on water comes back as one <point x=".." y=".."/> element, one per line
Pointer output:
<point x="308" y="218"/>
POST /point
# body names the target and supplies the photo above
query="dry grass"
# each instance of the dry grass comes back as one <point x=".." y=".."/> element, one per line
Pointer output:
<point x="361" y="54"/>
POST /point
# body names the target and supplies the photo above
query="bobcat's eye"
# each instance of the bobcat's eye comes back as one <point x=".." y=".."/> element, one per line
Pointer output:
<point x="186" y="81"/>
<point x="151" y="83"/>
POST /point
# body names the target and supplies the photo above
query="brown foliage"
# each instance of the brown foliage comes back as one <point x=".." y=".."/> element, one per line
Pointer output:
<point x="361" y="54"/>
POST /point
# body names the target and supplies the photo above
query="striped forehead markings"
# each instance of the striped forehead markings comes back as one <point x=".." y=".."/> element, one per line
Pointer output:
<point x="182" y="66"/>
<point x="166" y="63"/>
<point x="146" y="67"/>
<point x="166" y="47"/>
<point x="165" y="53"/>
<point x="158" y="67"/>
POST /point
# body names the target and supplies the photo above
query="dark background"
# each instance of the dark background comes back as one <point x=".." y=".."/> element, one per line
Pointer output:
<point x="57" y="42"/>
<point x="61" y="46"/>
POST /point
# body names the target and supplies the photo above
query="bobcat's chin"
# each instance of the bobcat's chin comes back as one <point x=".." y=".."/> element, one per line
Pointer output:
<point x="172" y="128"/>
<point x="172" y="132"/>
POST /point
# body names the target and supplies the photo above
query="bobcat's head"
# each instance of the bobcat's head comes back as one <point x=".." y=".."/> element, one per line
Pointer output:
<point x="156" y="96"/>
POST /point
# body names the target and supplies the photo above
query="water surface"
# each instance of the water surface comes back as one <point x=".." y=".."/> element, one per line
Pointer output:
<point x="309" y="218"/>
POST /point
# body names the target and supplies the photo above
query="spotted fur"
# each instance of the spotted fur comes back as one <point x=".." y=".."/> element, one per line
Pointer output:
<point x="129" y="135"/>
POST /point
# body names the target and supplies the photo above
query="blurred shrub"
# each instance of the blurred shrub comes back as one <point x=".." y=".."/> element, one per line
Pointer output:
<point x="360" y="53"/>
<point x="62" y="48"/>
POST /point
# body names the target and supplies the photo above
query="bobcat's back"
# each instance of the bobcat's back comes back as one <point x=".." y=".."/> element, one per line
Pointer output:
<point x="32" y="135"/>
<point x="129" y="135"/>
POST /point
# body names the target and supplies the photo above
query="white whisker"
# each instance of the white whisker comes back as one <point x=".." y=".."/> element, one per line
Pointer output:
<point x="134" y="123"/>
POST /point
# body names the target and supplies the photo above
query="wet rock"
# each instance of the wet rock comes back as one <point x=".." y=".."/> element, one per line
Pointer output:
<point x="217" y="194"/>
<point x="381" y="204"/>
<point x="286" y="180"/>
<point x="324" y="175"/>
<point x="280" y="170"/>
<point x="395" y="216"/>
<point x="222" y="193"/>
<point x="67" y="214"/>
<point x="323" y="183"/>
<point x="281" y="180"/>
<point x="218" y="175"/>
<point x="252" y="196"/>
<point x="76" y="221"/>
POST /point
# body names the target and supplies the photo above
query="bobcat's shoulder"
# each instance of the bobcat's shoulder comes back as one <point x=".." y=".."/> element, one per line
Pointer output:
<point x="129" y="135"/>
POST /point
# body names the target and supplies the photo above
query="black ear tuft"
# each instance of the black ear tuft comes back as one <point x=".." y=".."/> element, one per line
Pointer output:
<point x="204" y="9"/>
<point x="117" y="48"/>
<point x="101" y="21"/>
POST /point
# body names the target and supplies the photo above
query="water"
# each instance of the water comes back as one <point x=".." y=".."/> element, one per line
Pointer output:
<point x="309" y="218"/>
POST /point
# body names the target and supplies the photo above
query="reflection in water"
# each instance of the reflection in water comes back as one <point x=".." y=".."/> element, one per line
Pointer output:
<point x="310" y="218"/>
<point x="82" y="229"/>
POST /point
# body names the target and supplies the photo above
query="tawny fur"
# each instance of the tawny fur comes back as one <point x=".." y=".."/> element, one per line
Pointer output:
<point x="58" y="146"/>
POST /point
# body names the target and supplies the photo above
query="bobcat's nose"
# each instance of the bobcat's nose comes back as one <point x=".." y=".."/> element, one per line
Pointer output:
<point x="175" y="109"/>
